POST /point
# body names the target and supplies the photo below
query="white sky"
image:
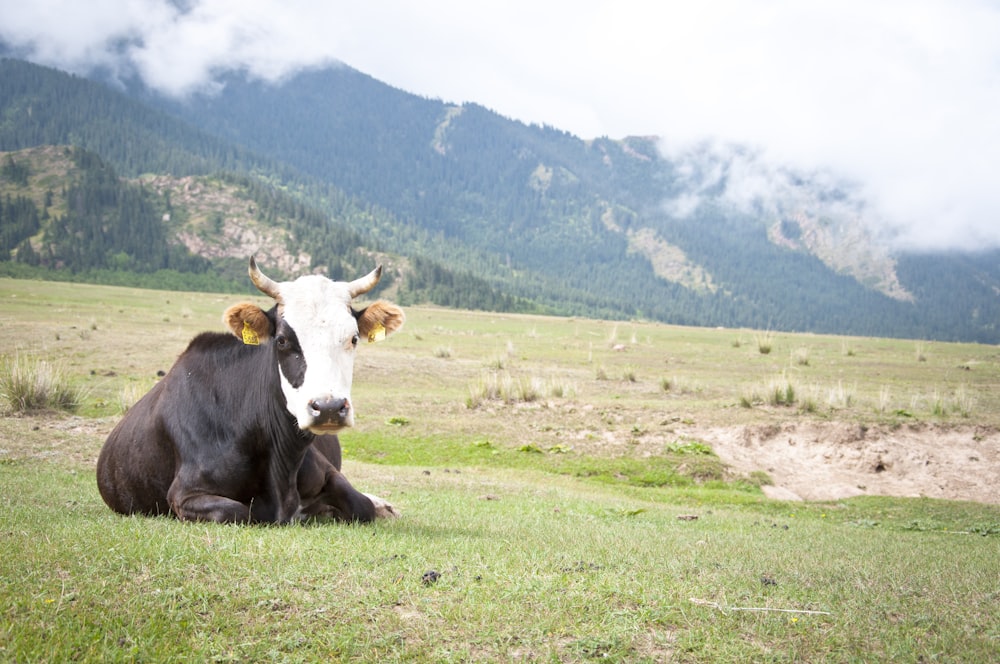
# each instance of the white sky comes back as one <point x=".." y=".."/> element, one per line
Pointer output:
<point x="902" y="97"/>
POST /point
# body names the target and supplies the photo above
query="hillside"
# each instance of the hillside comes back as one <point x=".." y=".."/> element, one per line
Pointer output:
<point x="533" y="216"/>
<point x="67" y="215"/>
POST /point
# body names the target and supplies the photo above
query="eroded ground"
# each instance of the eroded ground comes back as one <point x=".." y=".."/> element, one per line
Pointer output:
<point x="836" y="460"/>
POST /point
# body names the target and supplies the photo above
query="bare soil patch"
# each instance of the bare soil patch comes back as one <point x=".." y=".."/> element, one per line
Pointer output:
<point x="830" y="461"/>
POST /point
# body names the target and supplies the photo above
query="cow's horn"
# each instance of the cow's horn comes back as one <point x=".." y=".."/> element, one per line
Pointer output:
<point x="365" y="283"/>
<point x="263" y="282"/>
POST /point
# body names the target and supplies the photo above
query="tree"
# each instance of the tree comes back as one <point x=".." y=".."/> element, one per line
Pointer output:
<point x="15" y="172"/>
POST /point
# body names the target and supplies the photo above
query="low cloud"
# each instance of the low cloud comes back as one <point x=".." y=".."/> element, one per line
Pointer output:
<point x="901" y="98"/>
<point x="177" y="47"/>
<point x="915" y="214"/>
<point x="736" y="178"/>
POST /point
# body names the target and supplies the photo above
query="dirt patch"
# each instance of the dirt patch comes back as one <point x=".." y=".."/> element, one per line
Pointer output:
<point x="53" y="436"/>
<point x="830" y="461"/>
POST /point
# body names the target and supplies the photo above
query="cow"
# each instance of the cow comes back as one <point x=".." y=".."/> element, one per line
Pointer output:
<point x="243" y="428"/>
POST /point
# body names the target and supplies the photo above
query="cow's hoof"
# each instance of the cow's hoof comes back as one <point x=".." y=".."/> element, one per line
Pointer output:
<point x="383" y="510"/>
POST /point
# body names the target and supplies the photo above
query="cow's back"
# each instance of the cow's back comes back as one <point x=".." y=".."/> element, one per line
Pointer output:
<point x="136" y="465"/>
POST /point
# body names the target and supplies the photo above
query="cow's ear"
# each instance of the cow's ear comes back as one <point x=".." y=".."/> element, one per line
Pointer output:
<point x="248" y="322"/>
<point x="378" y="320"/>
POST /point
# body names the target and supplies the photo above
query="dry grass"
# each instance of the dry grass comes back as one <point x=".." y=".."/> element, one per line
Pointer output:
<point x="580" y="383"/>
<point x="29" y="385"/>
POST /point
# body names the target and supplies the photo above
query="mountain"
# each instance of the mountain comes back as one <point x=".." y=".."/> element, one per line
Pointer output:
<point x="192" y="200"/>
<point x="533" y="215"/>
<point x="65" y="213"/>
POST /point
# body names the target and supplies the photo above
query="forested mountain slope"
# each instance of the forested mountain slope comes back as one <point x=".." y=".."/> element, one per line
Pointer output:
<point x="582" y="226"/>
<point x="65" y="213"/>
<point x="461" y="195"/>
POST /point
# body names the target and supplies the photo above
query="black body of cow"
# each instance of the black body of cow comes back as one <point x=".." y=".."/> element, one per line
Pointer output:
<point x="213" y="441"/>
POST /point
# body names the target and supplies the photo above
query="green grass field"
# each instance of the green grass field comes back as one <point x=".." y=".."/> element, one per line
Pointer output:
<point x="536" y="467"/>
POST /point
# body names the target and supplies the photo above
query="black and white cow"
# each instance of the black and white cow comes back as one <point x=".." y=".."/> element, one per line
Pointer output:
<point x="243" y="426"/>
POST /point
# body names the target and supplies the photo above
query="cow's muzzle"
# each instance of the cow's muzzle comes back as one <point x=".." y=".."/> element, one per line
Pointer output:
<point x="330" y="413"/>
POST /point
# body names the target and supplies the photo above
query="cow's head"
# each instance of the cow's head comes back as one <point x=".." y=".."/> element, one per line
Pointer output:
<point x="313" y="332"/>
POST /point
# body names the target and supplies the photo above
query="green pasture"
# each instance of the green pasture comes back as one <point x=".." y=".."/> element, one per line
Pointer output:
<point x="550" y="513"/>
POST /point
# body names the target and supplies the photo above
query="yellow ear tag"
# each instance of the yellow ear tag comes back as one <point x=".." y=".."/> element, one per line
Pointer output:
<point x="377" y="333"/>
<point x="250" y="337"/>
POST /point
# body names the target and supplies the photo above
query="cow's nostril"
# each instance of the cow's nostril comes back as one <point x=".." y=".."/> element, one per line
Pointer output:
<point x="329" y="409"/>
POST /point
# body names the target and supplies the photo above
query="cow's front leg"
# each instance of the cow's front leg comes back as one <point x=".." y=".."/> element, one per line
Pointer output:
<point x="210" y="508"/>
<point x="325" y="492"/>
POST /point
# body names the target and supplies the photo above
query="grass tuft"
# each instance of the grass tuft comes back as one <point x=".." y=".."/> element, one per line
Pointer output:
<point x="764" y="341"/>
<point x="508" y="389"/>
<point x="884" y="399"/>
<point x="839" y="397"/>
<point x="801" y="357"/>
<point x="129" y="396"/>
<point x="35" y="385"/>
<point x="781" y="395"/>
<point x="965" y="402"/>
<point x="780" y="392"/>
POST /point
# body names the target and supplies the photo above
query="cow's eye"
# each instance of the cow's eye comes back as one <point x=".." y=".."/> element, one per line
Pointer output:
<point x="282" y="342"/>
<point x="355" y="339"/>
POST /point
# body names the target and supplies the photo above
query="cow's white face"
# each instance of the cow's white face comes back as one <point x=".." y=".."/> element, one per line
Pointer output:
<point x="316" y="339"/>
<point x="315" y="334"/>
